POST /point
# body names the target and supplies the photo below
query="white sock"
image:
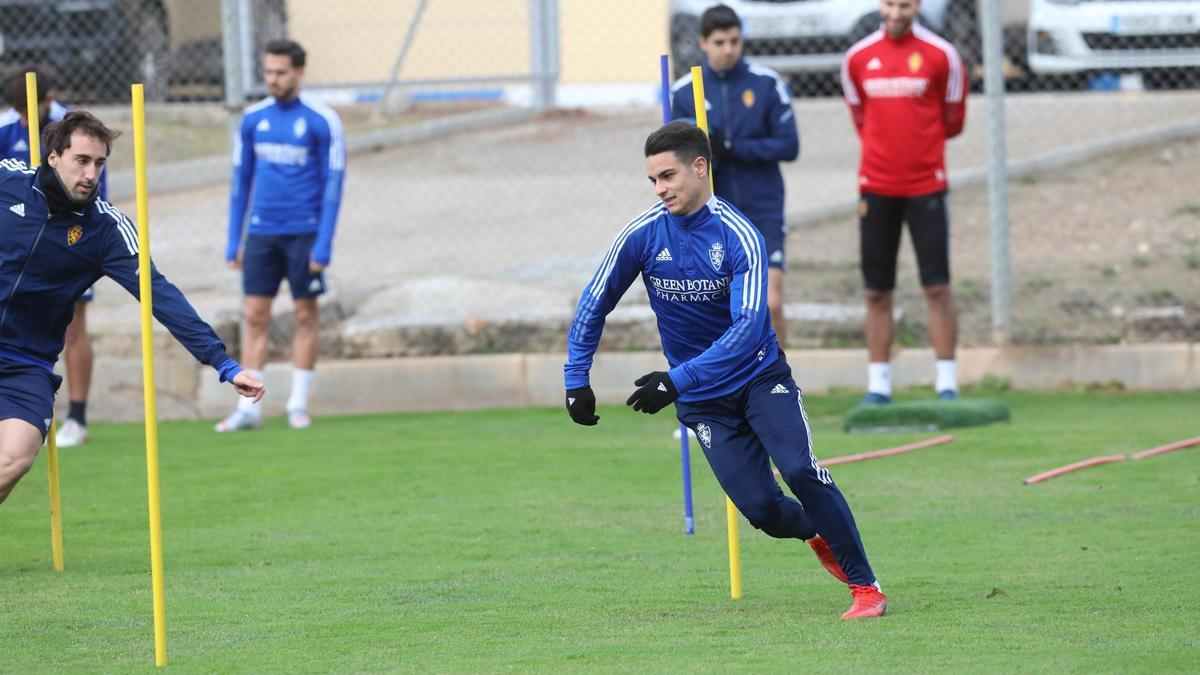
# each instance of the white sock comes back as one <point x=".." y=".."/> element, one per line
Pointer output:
<point x="947" y="375"/>
<point x="301" y="381"/>
<point x="879" y="378"/>
<point x="247" y="404"/>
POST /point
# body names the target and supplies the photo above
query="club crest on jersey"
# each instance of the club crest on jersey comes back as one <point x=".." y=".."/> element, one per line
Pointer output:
<point x="716" y="255"/>
<point x="299" y="128"/>
<point x="74" y="234"/>
<point x="914" y="62"/>
<point x="748" y="98"/>
<point x="704" y="434"/>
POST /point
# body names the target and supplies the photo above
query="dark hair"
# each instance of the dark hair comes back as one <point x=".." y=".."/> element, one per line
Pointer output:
<point x="718" y="17"/>
<point x="58" y="134"/>
<point x="14" y="88"/>
<point x="289" y="48"/>
<point x="687" y="142"/>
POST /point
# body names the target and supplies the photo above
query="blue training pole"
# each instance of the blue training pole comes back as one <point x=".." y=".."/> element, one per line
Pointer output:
<point x="689" y="521"/>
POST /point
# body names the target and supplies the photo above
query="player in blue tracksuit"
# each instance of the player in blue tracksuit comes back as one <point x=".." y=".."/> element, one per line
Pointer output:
<point x="57" y="237"/>
<point x="290" y="150"/>
<point x="14" y="144"/>
<point x="753" y="129"/>
<point x="704" y="268"/>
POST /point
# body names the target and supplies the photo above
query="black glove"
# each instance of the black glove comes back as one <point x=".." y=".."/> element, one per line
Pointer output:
<point x="654" y="392"/>
<point x="581" y="405"/>
<point x="722" y="148"/>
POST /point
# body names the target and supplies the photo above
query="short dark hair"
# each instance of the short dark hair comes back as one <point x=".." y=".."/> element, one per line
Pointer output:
<point x="58" y="134"/>
<point x="686" y="140"/>
<point x="289" y="48"/>
<point x="718" y="17"/>
<point x="14" y="88"/>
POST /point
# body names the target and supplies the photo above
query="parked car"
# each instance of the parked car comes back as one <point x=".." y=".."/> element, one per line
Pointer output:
<point x="1076" y="37"/>
<point x="97" y="48"/>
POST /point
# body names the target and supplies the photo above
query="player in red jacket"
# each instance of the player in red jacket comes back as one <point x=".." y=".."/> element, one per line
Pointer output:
<point x="907" y="91"/>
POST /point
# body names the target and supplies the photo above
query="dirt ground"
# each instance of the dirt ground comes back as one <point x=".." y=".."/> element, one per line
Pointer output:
<point x="1101" y="252"/>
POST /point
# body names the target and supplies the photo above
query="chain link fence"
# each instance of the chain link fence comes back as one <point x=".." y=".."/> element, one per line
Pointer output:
<point x="496" y="148"/>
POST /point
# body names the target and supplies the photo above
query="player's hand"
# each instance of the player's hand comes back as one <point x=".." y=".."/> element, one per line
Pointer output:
<point x="722" y="147"/>
<point x="654" y="392"/>
<point x="581" y="406"/>
<point x="316" y="267"/>
<point x="249" y="386"/>
<point x="236" y="263"/>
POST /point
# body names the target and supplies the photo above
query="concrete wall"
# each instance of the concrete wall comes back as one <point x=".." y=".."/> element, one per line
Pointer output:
<point x="611" y="41"/>
<point x="187" y="391"/>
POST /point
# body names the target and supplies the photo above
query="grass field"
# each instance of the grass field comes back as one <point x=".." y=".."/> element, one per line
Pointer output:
<point x="517" y="541"/>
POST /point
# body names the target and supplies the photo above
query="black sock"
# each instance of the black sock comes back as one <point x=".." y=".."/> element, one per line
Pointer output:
<point x="78" y="412"/>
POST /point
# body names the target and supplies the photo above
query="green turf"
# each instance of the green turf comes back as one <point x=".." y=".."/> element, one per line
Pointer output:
<point x="516" y="541"/>
<point x="926" y="414"/>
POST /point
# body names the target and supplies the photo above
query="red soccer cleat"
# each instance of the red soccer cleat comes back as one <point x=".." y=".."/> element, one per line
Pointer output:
<point x="825" y="555"/>
<point x="869" y="602"/>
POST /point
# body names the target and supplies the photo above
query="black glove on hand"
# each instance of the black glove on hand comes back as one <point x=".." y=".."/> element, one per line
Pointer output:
<point x="654" y="392"/>
<point x="722" y="148"/>
<point x="581" y="405"/>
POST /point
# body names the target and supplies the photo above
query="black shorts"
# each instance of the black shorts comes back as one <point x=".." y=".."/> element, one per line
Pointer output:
<point x="774" y="234"/>
<point x="27" y="393"/>
<point x="880" y="220"/>
<point x="268" y="259"/>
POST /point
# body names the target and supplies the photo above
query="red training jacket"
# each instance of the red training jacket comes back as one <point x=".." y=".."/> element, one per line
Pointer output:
<point x="907" y="95"/>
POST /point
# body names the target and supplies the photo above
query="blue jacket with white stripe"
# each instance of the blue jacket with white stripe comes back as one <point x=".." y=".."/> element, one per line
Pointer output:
<point x="751" y="106"/>
<point x="705" y="275"/>
<point x="48" y="261"/>
<point x="293" y="155"/>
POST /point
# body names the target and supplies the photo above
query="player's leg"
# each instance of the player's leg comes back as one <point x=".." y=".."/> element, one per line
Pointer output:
<point x="26" y="403"/>
<point x="880" y="222"/>
<point x="263" y="269"/>
<point x="19" y="444"/>
<point x="73" y="430"/>
<point x="775" y="411"/>
<point x="929" y="226"/>
<point x="306" y="288"/>
<point x="775" y="236"/>
<point x="743" y="470"/>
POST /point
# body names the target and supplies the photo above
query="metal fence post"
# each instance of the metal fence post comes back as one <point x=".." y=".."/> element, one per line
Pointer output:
<point x="543" y="51"/>
<point x="235" y="93"/>
<point x="997" y="171"/>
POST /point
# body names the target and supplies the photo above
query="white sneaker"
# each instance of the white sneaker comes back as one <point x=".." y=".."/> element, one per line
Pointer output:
<point x="299" y="419"/>
<point x="238" y="420"/>
<point x="70" y="433"/>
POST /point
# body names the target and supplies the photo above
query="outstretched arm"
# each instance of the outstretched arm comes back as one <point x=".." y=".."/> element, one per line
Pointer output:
<point x="171" y="308"/>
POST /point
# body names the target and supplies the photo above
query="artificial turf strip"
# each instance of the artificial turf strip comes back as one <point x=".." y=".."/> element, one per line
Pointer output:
<point x="926" y="415"/>
<point x="516" y="541"/>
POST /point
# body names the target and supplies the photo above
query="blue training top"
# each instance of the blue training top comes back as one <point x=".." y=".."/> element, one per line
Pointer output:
<point x="47" y="262"/>
<point x="706" y="276"/>
<point x="294" y="155"/>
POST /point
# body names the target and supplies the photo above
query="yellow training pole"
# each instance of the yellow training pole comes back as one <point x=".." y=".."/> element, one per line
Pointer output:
<point x="144" y="292"/>
<point x="731" y="512"/>
<point x="35" y="158"/>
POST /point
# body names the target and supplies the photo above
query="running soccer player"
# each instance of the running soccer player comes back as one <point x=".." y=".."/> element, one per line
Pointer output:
<point x="704" y="267"/>
<point x="14" y="144"/>
<point x="57" y="237"/>
<point x="753" y="129"/>
<point x="907" y="92"/>
<point x="291" y="152"/>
